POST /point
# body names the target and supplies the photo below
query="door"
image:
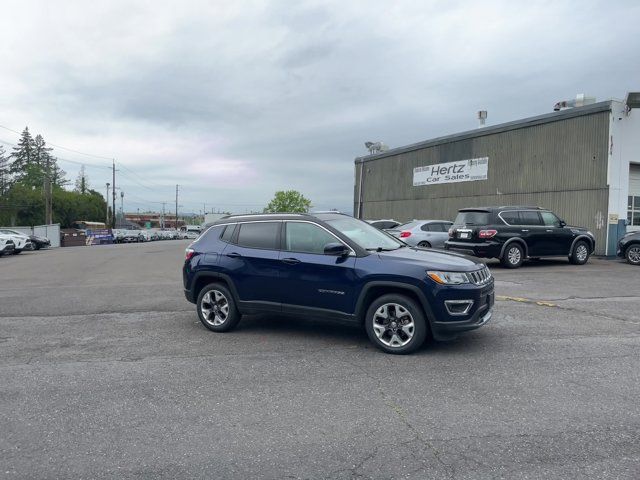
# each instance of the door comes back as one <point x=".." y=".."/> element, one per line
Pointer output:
<point x="252" y="262"/>
<point x="558" y="239"/>
<point x="310" y="279"/>
<point x="532" y="231"/>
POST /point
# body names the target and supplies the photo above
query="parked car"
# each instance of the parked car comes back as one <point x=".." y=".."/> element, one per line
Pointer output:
<point x="423" y="233"/>
<point x="190" y="235"/>
<point x="334" y="266"/>
<point x="7" y="245"/>
<point x="39" y="242"/>
<point x="515" y="233"/>
<point x="383" y="224"/>
<point x="20" y="240"/>
<point x="629" y="247"/>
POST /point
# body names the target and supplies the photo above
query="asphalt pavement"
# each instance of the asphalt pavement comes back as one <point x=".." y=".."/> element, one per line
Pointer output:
<point x="106" y="372"/>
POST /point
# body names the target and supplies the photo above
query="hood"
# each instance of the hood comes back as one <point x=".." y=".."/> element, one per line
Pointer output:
<point x="434" y="259"/>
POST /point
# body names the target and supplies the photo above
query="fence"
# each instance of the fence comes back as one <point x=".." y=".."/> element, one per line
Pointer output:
<point x="52" y="232"/>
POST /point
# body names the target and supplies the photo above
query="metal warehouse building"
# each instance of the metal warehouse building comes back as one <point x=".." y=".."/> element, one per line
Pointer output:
<point x="583" y="163"/>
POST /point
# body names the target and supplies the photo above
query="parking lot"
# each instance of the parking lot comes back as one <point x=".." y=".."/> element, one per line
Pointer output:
<point x="106" y="372"/>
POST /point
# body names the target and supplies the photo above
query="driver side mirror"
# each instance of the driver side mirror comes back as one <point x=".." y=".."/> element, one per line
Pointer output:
<point x="336" y="249"/>
<point x="563" y="224"/>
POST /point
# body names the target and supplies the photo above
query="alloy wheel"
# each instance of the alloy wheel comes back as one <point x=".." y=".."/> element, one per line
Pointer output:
<point x="393" y="325"/>
<point x="214" y="307"/>
<point x="582" y="252"/>
<point x="633" y="254"/>
<point x="514" y="255"/>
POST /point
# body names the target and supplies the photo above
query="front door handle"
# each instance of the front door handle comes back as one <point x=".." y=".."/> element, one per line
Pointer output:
<point x="525" y="230"/>
<point x="549" y="230"/>
<point x="233" y="255"/>
<point x="290" y="261"/>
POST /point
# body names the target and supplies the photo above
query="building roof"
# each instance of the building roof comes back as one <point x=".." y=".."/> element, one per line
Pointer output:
<point x="493" y="129"/>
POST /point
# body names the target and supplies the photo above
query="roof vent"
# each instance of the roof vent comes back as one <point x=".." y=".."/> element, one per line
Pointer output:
<point x="580" y="101"/>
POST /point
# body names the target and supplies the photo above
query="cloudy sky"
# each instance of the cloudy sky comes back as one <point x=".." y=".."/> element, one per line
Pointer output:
<point x="234" y="100"/>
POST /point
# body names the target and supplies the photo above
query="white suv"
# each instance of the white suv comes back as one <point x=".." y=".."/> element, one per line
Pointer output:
<point x="6" y="244"/>
<point x="20" y="240"/>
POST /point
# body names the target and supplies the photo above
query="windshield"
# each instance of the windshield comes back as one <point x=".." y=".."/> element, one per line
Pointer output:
<point x="363" y="234"/>
<point x="472" y="218"/>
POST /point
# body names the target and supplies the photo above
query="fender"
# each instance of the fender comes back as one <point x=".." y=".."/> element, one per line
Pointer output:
<point x="515" y="239"/>
<point x="214" y="275"/>
<point x="589" y="240"/>
<point x="359" y="313"/>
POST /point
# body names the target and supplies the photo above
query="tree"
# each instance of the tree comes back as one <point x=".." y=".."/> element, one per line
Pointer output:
<point x="82" y="182"/>
<point x="290" y="201"/>
<point x="5" y="177"/>
<point x="23" y="155"/>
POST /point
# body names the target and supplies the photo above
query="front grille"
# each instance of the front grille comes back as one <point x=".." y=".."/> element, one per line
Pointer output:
<point x="480" y="277"/>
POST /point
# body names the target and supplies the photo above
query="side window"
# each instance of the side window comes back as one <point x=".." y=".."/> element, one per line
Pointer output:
<point x="549" y="219"/>
<point x="306" y="238"/>
<point x="228" y="233"/>
<point x="511" y="217"/>
<point x="528" y="217"/>
<point x="259" y="235"/>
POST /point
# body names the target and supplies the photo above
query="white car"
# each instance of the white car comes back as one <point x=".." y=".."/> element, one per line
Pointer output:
<point x="22" y="241"/>
<point x="7" y="245"/>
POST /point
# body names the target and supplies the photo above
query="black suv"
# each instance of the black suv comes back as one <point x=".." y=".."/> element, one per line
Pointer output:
<point x="629" y="248"/>
<point x="333" y="266"/>
<point x="513" y="234"/>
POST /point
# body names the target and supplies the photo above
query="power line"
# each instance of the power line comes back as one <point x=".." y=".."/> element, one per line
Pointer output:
<point x="60" y="146"/>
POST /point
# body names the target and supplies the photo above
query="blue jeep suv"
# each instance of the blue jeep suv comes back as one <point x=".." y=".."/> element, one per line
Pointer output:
<point x="331" y="265"/>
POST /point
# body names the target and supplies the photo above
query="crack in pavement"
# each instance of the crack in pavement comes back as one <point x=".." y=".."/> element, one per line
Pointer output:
<point x="402" y="416"/>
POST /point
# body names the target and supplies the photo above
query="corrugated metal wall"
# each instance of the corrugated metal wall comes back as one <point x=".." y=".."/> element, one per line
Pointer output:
<point x="559" y="165"/>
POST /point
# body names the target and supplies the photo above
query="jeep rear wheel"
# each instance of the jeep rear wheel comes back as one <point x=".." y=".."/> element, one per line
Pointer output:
<point x="217" y="309"/>
<point x="513" y="256"/>
<point x="396" y="324"/>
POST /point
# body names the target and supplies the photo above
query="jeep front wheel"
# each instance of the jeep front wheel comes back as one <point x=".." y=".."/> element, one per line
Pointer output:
<point x="396" y="324"/>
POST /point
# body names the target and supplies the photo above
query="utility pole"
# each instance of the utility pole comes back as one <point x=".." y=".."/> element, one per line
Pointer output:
<point x="122" y="204"/>
<point x="48" y="215"/>
<point x="177" y="207"/>
<point x="107" y="218"/>
<point x="113" y="207"/>
<point x="162" y="218"/>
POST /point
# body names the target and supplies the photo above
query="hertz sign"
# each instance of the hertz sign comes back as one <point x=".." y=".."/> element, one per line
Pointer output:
<point x="452" y="172"/>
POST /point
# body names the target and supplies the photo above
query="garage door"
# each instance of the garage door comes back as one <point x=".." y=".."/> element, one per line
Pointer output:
<point x="633" y="209"/>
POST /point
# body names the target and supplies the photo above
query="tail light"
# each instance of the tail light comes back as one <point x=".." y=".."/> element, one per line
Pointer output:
<point x="188" y="253"/>
<point x="487" y="233"/>
<point x="405" y="234"/>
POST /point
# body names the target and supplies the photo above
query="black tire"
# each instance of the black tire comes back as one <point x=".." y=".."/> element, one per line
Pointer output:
<point x="632" y="254"/>
<point x="16" y="252"/>
<point x="513" y="256"/>
<point x="424" y="245"/>
<point x="580" y="253"/>
<point x="217" y="319"/>
<point x="36" y="247"/>
<point x="398" y="307"/>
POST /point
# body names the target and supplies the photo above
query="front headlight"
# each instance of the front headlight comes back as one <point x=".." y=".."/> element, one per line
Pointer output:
<point x="448" y="278"/>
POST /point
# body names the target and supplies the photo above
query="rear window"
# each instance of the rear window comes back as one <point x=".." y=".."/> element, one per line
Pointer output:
<point x="407" y="226"/>
<point x="259" y="235"/>
<point x="472" y="218"/>
<point x="228" y="233"/>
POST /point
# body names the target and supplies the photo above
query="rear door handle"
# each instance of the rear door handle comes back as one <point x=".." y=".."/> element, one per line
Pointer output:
<point x="233" y="255"/>
<point x="525" y="230"/>
<point x="290" y="261"/>
<point x="549" y="230"/>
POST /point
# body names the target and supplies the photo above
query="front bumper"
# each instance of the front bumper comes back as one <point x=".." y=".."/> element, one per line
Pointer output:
<point x="479" y="249"/>
<point x="445" y="325"/>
